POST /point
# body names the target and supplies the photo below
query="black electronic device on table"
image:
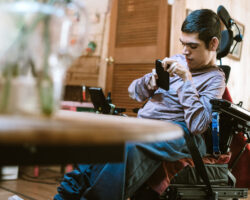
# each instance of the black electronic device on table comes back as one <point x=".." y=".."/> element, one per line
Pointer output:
<point x="99" y="101"/>
<point x="163" y="76"/>
<point x="101" y="104"/>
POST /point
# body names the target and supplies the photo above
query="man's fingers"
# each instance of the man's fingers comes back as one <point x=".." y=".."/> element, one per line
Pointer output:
<point x="149" y="87"/>
<point x="154" y="71"/>
<point x="166" y="62"/>
<point x="172" y="69"/>
<point x="153" y="78"/>
<point x="152" y="82"/>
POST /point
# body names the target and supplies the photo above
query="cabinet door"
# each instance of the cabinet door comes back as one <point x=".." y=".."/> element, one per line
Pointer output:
<point x="139" y="34"/>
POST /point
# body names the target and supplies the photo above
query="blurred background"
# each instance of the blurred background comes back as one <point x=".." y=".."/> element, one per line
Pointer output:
<point x="126" y="36"/>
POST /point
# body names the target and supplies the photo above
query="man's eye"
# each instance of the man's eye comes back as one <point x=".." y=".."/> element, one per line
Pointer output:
<point x="193" y="46"/>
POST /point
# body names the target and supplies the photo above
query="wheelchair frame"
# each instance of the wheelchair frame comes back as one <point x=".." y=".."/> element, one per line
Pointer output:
<point x="221" y="109"/>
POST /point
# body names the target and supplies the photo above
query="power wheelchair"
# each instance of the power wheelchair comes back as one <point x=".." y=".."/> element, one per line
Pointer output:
<point x="206" y="181"/>
<point x="227" y="120"/>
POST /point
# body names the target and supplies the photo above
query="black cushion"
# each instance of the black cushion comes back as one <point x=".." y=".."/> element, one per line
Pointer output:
<point x="225" y="43"/>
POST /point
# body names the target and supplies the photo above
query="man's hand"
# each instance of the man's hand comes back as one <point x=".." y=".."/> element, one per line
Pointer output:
<point x="152" y="82"/>
<point x="173" y="67"/>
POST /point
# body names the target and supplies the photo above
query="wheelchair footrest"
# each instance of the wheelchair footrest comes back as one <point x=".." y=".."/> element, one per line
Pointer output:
<point x="176" y="192"/>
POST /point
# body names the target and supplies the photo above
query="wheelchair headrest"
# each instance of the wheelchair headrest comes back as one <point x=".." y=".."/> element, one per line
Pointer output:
<point x="225" y="43"/>
<point x="226" y="35"/>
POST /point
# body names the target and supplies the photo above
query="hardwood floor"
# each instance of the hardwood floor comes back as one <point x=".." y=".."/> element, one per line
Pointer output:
<point x="248" y="195"/>
<point x="29" y="188"/>
<point x="42" y="188"/>
<point x="5" y="194"/>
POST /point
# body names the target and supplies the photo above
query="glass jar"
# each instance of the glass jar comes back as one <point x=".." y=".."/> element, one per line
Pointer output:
<point x="38" y="41"/>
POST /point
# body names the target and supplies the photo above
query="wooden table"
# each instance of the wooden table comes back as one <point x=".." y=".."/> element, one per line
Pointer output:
<point x="76" y="137"/>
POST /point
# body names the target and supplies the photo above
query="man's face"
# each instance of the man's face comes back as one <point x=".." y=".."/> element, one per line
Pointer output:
<point x="195" y="51"/>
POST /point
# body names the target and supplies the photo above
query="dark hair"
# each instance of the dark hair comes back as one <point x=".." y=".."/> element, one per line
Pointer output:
<point x="205" y="22"/>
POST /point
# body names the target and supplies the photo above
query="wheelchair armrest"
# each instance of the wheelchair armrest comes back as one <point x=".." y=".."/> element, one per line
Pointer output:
<point x="236" y="112"/>
<point x="231" y="119"/>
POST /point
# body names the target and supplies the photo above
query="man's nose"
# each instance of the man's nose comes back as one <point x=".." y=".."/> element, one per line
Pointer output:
<point x="185" y="50"/>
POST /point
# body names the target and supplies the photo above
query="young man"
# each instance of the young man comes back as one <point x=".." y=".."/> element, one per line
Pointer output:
<point x="195" y="80"/>
<point x="195" y="77"/>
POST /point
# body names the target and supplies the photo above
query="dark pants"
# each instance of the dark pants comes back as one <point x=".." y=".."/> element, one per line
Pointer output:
<point x="118" y="181"/>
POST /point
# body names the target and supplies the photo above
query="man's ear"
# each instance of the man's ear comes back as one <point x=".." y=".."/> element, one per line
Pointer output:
<point x="214" y="43"/>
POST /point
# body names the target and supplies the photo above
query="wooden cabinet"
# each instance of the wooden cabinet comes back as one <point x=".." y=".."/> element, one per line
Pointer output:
<point x="139" y="34"/>
<point x="84" y="71"/>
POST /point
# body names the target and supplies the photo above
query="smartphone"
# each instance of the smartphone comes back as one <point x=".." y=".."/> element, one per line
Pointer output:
<point x="163" y="76"/>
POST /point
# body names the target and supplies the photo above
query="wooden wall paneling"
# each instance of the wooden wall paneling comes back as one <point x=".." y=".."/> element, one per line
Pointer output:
<point x="136" y="31"/>
<point x="141" y="35"/>
<point x="124" y="74"/>
<point x="127" y="54"/>
<point x="137" y="23"/>
<point x="84" y="71"/>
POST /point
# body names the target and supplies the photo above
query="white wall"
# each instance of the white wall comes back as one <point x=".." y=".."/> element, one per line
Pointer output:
<point x="239" y="81"/>
<point x="99" y="32"/>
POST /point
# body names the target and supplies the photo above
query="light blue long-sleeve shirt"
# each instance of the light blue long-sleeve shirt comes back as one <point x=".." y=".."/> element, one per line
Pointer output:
<point x="185" y="101"/>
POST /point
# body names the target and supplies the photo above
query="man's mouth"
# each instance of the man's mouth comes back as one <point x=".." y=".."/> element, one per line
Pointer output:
<point x="188" y="60"/>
